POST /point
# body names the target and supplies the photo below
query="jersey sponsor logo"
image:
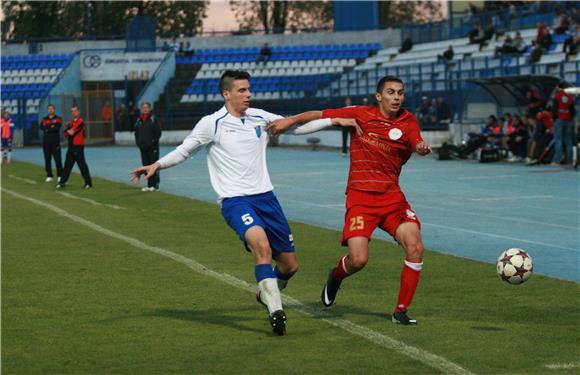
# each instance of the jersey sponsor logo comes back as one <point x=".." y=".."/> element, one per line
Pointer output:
<point x="373" y="139"/>
<point x="411" y="214"/>
<point x="395" y="134"/>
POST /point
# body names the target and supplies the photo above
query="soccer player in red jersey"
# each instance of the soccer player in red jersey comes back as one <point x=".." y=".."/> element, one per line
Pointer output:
<point x="390" y="134"/>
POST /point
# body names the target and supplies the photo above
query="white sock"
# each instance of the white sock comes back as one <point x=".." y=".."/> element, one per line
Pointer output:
<point x="270" y="294"/>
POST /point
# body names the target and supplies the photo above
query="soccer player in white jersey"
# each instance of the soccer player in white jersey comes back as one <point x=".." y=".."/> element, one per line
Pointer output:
<point x="236" y="142"/>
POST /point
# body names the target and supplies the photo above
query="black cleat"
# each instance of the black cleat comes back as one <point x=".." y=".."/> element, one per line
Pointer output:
<point x="278" y="322"/>
<point x="402" y="318"/>
<point x="260" y="300"/>
<point x="330" y="289"/>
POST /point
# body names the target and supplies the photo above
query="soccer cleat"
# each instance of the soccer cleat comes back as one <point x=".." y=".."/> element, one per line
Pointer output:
<point x="330" y="289"/>
<point x="60" y="186"/>
<point x="48" y="179"/>
<point x="145" y="189"/>
<point x="401" y="317"/>
<point x="259" y="299"/>
<point x="278" y="322"/>
<point x="87" y="186"/>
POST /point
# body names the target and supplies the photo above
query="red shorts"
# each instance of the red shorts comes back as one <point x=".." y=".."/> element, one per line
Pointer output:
<point x="362" y="220"/>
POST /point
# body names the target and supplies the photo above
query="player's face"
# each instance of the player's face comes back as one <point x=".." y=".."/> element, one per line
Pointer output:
<point x="75" y="112"/>
<point x="391" y="98"/>
<point x="239" y="97"/>
<point x="51" y="110"/>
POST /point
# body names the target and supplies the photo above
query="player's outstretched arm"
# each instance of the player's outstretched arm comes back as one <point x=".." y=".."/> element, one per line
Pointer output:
<point x="280" y="126"/>
<point x="148" y="171"/>
<point x="423" y="148"/>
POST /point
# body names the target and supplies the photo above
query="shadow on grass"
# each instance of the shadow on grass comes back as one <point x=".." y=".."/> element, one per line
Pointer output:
<point x="222" y="317"/>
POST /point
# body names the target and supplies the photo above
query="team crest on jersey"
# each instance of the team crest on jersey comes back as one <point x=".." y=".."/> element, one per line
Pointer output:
<point x="564" y="99"/>
<point x="258" y="131"/>
<point x="395" y="134"/>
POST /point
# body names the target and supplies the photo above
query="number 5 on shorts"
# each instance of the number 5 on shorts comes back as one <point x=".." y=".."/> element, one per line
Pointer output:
<point x="247" y="219"/>
<point x="357" y="223"/>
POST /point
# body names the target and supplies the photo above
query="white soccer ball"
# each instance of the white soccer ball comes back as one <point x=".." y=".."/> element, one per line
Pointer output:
<point x="514" y="266"/>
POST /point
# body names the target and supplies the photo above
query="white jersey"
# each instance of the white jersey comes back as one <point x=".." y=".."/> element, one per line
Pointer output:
<point x="236" y="150"/>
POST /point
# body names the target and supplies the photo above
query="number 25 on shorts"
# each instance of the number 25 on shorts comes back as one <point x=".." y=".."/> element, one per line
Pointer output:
<point x="357" y="223"/>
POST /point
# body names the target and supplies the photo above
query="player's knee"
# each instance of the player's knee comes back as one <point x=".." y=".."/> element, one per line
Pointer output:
<point x="357" y="262"/>
<point x="291" y="268"/>
<point x="414" y="250"/>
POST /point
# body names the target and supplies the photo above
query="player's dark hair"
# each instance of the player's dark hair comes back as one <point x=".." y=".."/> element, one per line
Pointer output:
<point x="386" y="79"/>
<point x="228" y="78"/>
<point x="51" y="105"/>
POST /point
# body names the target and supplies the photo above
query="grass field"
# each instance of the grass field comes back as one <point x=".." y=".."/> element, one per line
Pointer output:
<point x="113" y="280"/>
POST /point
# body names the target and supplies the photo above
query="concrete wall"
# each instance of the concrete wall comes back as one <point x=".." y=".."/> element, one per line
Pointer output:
<point x="388" y="38"/>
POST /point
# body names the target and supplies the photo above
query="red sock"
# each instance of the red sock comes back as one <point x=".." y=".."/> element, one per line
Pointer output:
<point x="340" y="270"/>
<point x="409" y="282"/>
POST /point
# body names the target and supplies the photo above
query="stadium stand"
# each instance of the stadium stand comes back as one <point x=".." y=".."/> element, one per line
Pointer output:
<point x="291" y="71"/>
<point x="30" y="77"/>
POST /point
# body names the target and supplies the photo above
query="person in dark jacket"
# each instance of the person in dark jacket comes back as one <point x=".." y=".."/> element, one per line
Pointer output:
<point x="50" y="126"/>
<point x="147" y="134"/>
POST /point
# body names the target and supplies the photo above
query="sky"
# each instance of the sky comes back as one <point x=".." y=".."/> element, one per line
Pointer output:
<point x="220" y="17"/>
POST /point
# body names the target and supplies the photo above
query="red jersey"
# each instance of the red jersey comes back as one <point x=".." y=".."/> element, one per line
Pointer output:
<point x="546" y="118"/>
<point x="7" y="126"/>
<point x="78" y="127"/>
<point x="377" y="156"/>
<point x="564" y="104"/>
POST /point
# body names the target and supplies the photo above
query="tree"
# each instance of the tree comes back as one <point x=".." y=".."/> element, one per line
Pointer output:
<point x="77" y="19"/>
<point x="395" y="13"/>
<point x="277" y="16"/>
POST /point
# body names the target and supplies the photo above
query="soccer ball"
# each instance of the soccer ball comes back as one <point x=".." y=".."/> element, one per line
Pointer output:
<point x="514" y="266"/>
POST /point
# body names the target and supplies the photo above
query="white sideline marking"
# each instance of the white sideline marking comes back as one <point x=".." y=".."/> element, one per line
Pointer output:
<point x="31" y="182"/>
<point x="387" y="342"/>
<point x="95" y="203"/>
<point x="511" y="198"/>
<point x="499" y="236"/>
<point x="562" y="366"/>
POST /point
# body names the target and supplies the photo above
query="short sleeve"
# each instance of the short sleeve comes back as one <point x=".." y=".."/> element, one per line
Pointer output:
<point x="346" y="112"/>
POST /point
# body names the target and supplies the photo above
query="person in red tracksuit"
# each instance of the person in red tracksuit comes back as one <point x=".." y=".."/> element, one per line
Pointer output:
<point x="563" y="113"/>
<point x="390" y="135"/>
<point x="75" y="133"/>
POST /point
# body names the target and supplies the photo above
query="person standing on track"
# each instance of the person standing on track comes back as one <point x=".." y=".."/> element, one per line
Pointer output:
<point x="390" y="134"/>
<point x="147" y="135"/>
<point x="7" y="136"/>
<point x="75" y="133"/>
<point x="236" y="141"/>
<point x="50" y="126"/>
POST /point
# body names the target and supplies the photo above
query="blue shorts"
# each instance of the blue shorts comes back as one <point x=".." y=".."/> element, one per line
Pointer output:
<point x="242" y="213"/>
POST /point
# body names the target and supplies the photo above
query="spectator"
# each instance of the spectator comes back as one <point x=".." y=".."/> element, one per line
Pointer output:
<point x="572" y="43"/>
<point x="147" y="135"/>
<point x="121" y="117"/>
<point x="433" y="112"/>
<point x="7" y="130"/>
<point x="517" y="139"/>
<point x="563" y="113"/>
<point x="541" y="32"/>
<point x="477" y="35"/>
<point x="265" y="54"/>
<point x="492" y="132"/>
<point x="188" y="49"/>
<point x="407" y="45"/>
<point x="561" y="23"/>
<point x="447" y="55"/>
<point x="133" y="112"/>
<point x="535" y="100"/>
<point x="107" y="113"/>
<point x="489" y="32"/>
<point x="174" y="45"/>
<point x="519" y="43"/>
<point x="344" y="129"/>
<point x="443" y="111"/>
<point x="423" y="111"/>
<point x="546" y="42"/>
<point x="536" y="53"/>
<point x="541" y="137"/>
<point x="507" y="47"/>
